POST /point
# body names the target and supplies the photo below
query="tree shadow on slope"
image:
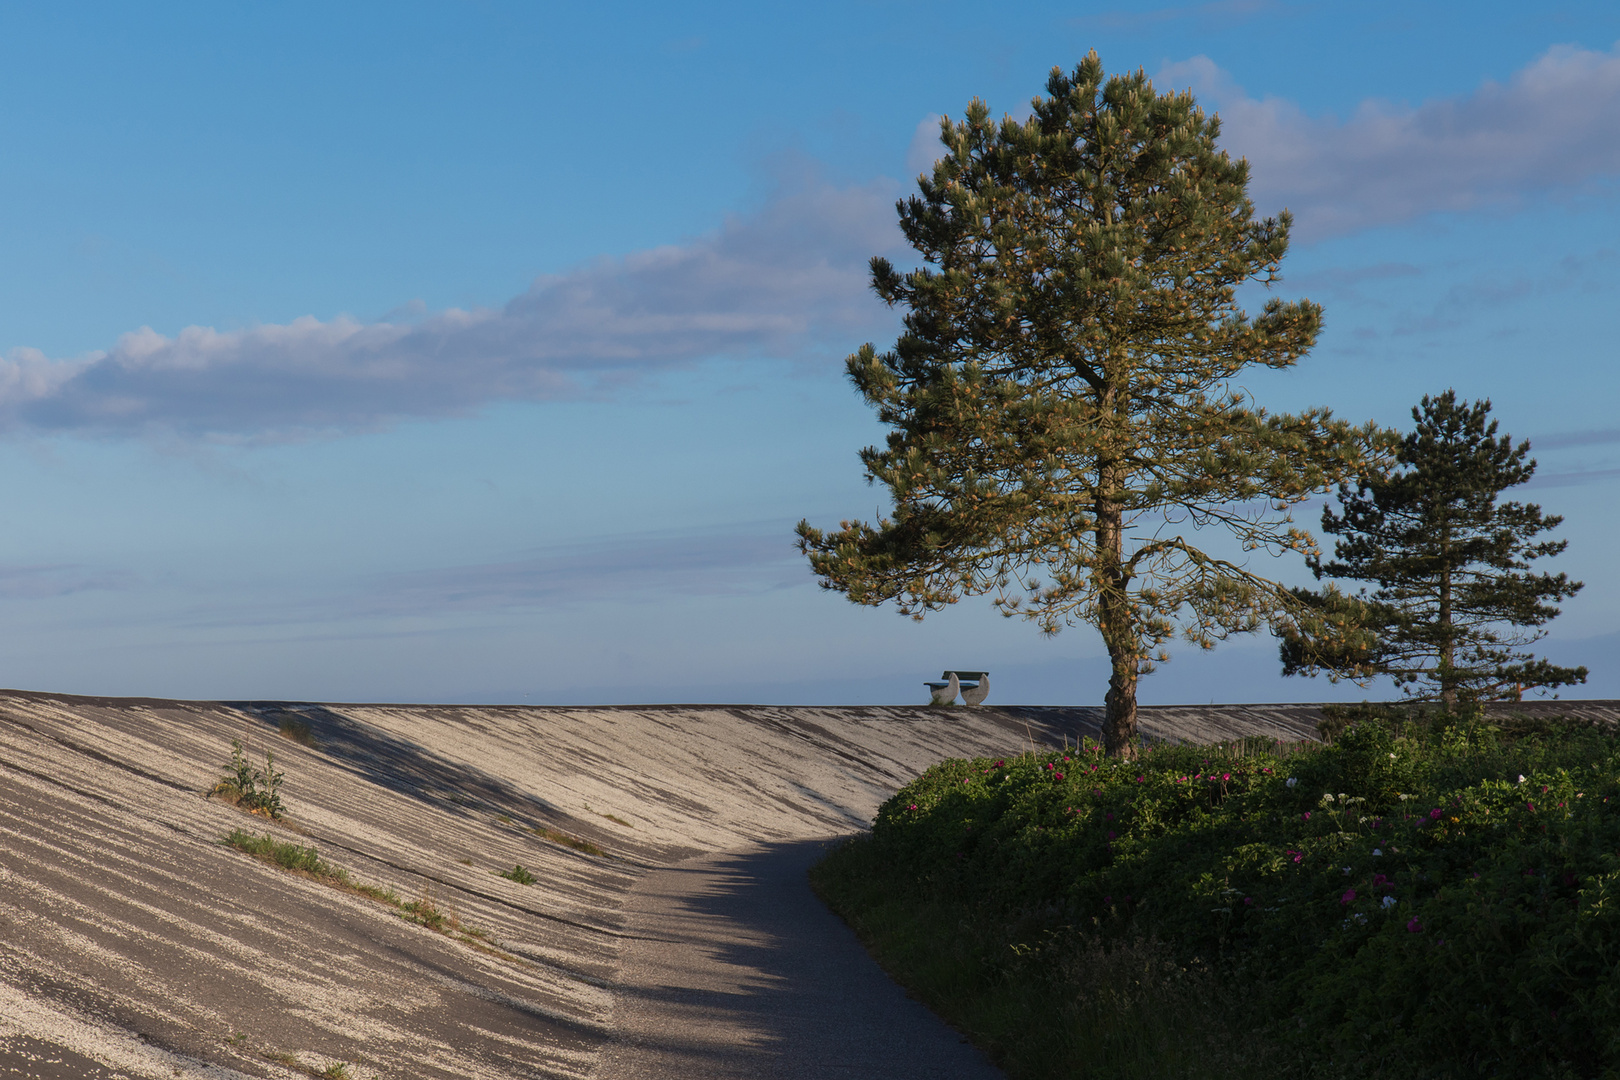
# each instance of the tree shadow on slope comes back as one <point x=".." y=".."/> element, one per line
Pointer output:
<point x="408" y="768"/>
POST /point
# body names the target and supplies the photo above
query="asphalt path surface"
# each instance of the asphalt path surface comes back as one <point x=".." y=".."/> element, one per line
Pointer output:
<point x="736" y="969"/>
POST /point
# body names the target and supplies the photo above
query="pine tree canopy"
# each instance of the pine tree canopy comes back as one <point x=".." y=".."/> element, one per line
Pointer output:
<point x="1062" y="405"/>
<point x="1455" y="602"/>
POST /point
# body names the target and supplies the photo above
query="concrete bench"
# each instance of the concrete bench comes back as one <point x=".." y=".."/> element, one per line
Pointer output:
<point x="974" y="686"/>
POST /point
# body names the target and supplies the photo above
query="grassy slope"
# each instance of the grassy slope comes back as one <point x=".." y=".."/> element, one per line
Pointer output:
<point x="1407" y="906"/>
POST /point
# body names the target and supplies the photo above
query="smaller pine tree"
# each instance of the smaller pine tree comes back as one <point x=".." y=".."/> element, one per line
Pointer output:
<point x="1455" y="603"/>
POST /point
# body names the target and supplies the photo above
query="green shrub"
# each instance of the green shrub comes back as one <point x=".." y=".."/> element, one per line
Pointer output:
<point x="1433" y="897"/>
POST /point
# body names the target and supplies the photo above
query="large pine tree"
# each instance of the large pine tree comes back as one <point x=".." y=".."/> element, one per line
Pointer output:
<point x="1455" y="603"/>
<point x="1062" y="408"/>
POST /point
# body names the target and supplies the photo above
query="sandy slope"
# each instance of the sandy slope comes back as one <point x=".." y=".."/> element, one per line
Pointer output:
<point x="131" y="939"/>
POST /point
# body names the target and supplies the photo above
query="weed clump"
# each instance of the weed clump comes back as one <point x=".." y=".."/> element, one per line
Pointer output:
<point x="1426" y="896"/>
<point x="258" y="791"/>
<point x="519" y="875"/>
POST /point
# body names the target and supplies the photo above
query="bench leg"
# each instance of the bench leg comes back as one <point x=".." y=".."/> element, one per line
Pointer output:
<point x="944" y="694"/>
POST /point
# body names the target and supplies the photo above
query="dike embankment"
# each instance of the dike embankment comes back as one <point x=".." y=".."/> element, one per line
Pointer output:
<point x="134" y="944"/>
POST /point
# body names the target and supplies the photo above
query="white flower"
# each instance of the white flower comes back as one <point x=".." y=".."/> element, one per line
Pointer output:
<point x="1347" y="871"/>
<point x="1521" y="778"/>
<point x="1389" y="901"/>
<point x="1292" y="780"/>
<point x="1378" y="851"/>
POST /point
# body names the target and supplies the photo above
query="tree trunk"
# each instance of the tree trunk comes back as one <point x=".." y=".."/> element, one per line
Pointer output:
<point x="1117" y="626"/>
<point x="1448" y="646"/>
<point x="1119" y="707"/>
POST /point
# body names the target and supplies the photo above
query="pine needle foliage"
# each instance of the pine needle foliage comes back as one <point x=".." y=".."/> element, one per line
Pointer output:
<point x="1062" y="407"/>
<point x="1456" y="603"/>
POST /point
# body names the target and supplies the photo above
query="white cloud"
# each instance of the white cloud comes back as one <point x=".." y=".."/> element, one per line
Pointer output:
<point x="1555" y="124"/>
<point x="925" y="148"/>
<point x="773" y="283"/>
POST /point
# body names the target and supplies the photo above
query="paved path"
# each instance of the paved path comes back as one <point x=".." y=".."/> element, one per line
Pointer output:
<point x="738" y="970"/>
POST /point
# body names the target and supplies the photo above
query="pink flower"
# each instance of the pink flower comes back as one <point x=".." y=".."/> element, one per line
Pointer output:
<point x="1248" y="899"/>
<point x="1414" y="927"/>
<point x="1059" y="775"/>
<point x="913" y="806"/>
<point x="1349" y="895"/>
<point x="1110" y="834"/>
<point x="1226" y="776"/>
<point x="1434" y="815"/>
<point x="1306" y="816"/>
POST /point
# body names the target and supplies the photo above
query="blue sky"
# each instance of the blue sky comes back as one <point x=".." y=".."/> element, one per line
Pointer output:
<point x="489" y="352"/>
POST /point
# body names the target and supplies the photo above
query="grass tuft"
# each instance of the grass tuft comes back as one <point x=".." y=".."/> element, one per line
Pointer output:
<point x="557" y="836"/>
<point x="296" y="729"/>
<point x="424" y="911"/>
<point x="286" y="854"/>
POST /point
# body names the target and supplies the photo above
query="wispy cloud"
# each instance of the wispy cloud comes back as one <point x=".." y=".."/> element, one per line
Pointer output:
<point x="745" y="560"/>
<point x="1577" y="478"/>
<point x="42" y="582"/>
<point x="1602" y="437"/>
<point x="1554" y="125"/>
<point x="773" y="283"/>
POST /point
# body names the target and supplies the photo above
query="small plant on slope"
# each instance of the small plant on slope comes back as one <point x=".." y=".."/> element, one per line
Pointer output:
<point x="254" y="790"/>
